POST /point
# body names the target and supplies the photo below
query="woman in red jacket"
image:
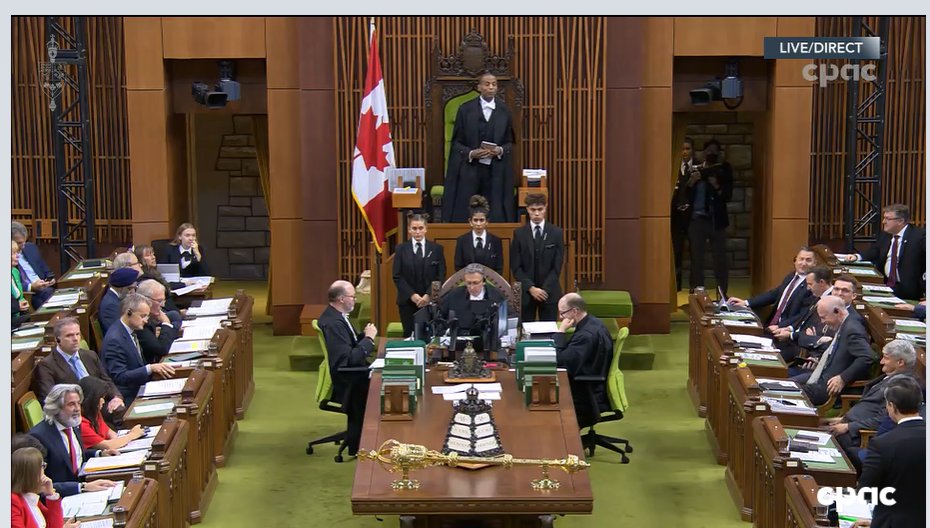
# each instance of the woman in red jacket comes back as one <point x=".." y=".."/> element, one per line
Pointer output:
<point x="28" y="481"/>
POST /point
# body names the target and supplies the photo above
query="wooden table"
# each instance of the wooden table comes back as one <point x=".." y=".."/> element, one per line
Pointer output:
<point x="772" y="463"/>
<point x="138" y="506"/>
<point x="492" y="494"/>
<point x="744" y="404"/>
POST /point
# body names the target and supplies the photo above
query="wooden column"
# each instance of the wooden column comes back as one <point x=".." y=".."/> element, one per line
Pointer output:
<point x="784" y="194"/>
<point x="147" y="110"/>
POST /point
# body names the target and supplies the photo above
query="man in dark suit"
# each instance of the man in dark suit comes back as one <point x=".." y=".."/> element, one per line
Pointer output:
<point x="60" y="435"/>
<point x="847" y="359"/>
<point x="791" y="298"/>
<point x="847" y="287"/>
<point x="478" y="245"/>
<point x="159" y="332"/>
<point x="481" y="156"/>
<point x="417" y="264"/>
<point x="898" y="459"/>
<point x="586" y="353"/>
<point x="35" y="273"/>
<point x="681" y="205"/>
<point x="122" y="353"/>
<point x="709" y="190"/>
<point x="536" y="254"/>
<point x="120" y="283"/>
<point x="898" y="358"/>
<point x="807" y="333"/>
<point x="68" y="363"/>
<point x="475" y="303"/>
<point x="346" y="349"/>
<point x="900" y="253"/>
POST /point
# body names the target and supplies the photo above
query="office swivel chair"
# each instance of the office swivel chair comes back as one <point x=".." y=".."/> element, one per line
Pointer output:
<point x="324" y="396"/>
<point x="613" y="380"/>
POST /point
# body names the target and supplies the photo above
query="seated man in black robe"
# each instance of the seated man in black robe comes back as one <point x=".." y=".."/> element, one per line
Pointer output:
<point x="475" y="304"/>
<point x="586" y="353"/>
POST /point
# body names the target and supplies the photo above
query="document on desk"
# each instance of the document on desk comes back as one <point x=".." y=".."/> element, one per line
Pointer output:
<point x="814" y="436"/>
<point x="540" y="327"/>
<point x="863" y="272"/>
<point x="876" y="288"/>
<point x="168" y="387"/>
<point x="211" y="307"/>
<point x="449" y="389"/>
<point x="134" y="458"/>
<point x="98" y="523"/>
<point x="30" y="332"/>
<point x="756" y="340"/>
<point x="184" y="347"/>
<point x="186" y="289"/>
<point x="85" y="504"/>
<point x="138" y="445"/>
<point x="196" y="333"/>
<point x="379" y="364"/>
<point x="885" y="299"/>
<point x="811" y="456"/>
<point x="27" y="344"/>
<point x="213" y="322"/>
<point x="116" y="491"/>
<point x="758" y="357"/>
<point x="741" y="323"/>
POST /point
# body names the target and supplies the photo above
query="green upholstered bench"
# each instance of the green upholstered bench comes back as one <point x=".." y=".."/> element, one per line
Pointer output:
<point x="395" y="330"/>
<point x="608" y="304"/>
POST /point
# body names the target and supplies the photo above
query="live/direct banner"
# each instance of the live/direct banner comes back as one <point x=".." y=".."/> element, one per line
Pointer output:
<point x="822" y="48"/>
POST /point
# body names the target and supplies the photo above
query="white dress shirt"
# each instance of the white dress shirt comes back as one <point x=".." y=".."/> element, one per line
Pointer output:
<point x="542" y="229"/>
<point x="32" y="500"/>
<point x="484" y="239"/>
<point x="186" y="262"/>
<point x="479" y="297"/>
<point x="487" y="107"/>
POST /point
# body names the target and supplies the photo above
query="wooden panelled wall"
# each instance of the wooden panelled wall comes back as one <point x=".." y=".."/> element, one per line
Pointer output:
<point x="33" y="173"/>
<point x="561" y="63"/>
<point x="904" y="170"/>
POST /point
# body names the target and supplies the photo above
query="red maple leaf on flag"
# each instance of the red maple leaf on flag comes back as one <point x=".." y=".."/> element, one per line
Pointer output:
<point x="371" y="145"/>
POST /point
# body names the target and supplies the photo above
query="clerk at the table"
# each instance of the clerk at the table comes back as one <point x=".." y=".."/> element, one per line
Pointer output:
<point x="586" y="353"/>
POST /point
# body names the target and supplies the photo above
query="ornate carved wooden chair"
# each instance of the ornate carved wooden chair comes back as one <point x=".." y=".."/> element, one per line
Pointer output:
<point x="452" y="82"/>
<point x="511" y="292"/>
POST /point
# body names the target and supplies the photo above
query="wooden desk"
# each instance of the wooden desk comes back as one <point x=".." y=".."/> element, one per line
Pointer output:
<point x="744" y="404"/>
<point x="490" y="493"/>
<point x="197" y="408"/>
<point x="167" y="465"/>
<point x="242" y="324"/>
<point x="801" y="507"/>
<point x="722" y="355"/>
<point x="138" y="507"/>
<point x="772" y="463"/>
<point x="700" y="308"/>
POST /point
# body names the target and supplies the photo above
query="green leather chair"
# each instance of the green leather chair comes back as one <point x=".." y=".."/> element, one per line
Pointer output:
<point x="324" y="394"/>
<point x="617" y="399"/>
<point x="30" y="410"/>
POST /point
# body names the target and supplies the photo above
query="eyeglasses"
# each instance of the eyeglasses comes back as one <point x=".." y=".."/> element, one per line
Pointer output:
<point x="349" y="296"/>
<point x="563" y="312"/>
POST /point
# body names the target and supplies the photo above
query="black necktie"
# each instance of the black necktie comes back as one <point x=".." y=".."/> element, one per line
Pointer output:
<point x="185" y="255"/>
<point x="419" y="250"/>
<point x="479" y="244"/>
<point x="538" y="234"/>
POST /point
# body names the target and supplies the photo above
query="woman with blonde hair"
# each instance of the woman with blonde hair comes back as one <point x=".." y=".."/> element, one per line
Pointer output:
<point x="27" y="472"/>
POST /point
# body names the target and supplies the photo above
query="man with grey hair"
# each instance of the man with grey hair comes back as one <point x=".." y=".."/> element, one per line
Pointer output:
<point x="474" y="303"/>
<point x="898" y="359"/>
<point x="37" y="277"/>
<point x="61" y="437"/>
<point x="900" y="253"/>
<point x="160" y="331"/>
<point x="122" y="353"/>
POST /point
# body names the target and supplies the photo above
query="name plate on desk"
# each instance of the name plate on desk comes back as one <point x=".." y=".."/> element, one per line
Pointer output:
<point x="464" y="419"/>
<point x="483" y="430"/>
<point x="460" y="431"/>
<point x="486" y="444"/>
<point x="482" y="418"/>
<point x="459" y="445"/>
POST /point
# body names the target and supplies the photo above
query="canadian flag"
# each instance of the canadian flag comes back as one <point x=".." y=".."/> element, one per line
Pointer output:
<point x="374" y="152"/>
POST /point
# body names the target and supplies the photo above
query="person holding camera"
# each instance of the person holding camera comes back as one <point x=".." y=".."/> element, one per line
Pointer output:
<point x="710" y="188"/>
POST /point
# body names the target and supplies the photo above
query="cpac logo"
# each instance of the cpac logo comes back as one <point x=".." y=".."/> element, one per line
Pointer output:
<point x="871" y="495"/>
<point x="831" y="72"/>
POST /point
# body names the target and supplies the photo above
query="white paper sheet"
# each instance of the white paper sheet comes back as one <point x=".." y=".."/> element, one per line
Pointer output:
<point x="98" y="523"/>
<point x="197" y="333"/>
<point x="153" y="408"/>
<point x="135" y="458"/>
<point x="811" y="456"/>
<point x="888" y="299"/>
<point x="166" y="387"/>
<point x="213" y="322"/>
<point x="137" y="445"/>
<point x="745" y="338"/>
<point x="85" y="504"/>
<point x="821" y="438"/>
<point x="185" y="290"/>
<point x="181" y="347"/>
<point x="211" y="307"/>
<point x="540" y="327"/>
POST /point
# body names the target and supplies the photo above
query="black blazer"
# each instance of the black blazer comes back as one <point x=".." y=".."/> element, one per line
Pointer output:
<point x="197" y="268"/>
<point x="587" y="352"/>
<point x="491" y="257"/>
<point x="458" y="300"/>
<point x="869" y="411"/>
<point x="123" y="362"/>
<point x="912" y="263"/>
<point x="795" y="308"/>
<point x="898" y="459"/>
<point x="345" y="349"/>
<point x="416" y="275"/>
<point x="155" y="347"/>
<point x="58" y="460"/>
<point x="716" y="199"/>
<point x="538" y="264"/>
<point x="851" y="358"/>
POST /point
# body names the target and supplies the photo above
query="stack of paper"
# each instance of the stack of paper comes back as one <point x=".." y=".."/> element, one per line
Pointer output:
<point x="167" y="387"/>
<point x="876" y="288"/>
<point x="196" y="333"/>
<point x="62" y="300"/>
<point x="104" y="463"/>
<point x="538" y="328"/>
<point x="885" y="299"/>
<point x="811" y="456"/>
<point x="183" y="347"/>
<point x="780" y="405"/>
<point x="486" y="391"/>
<point x="98" y="523"/>
<point x="26" y="344"/>
<point x="212" y="322"/>
<point x="186" y="289"/>
<point x="211" y="307"/>
<point x="139" y="444"/>
<point x="29" y="331"/>
<point x="85" y="504"/>
<point x="751" y="340"/>
<point x="757" y="357"/>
